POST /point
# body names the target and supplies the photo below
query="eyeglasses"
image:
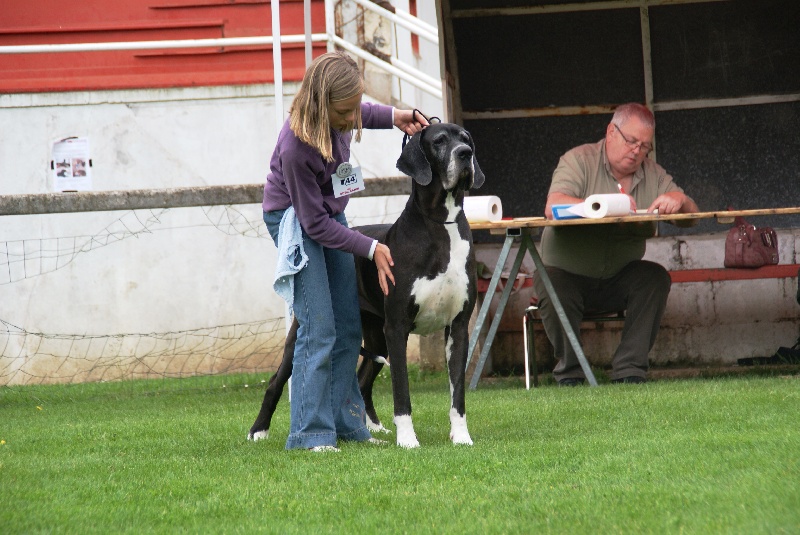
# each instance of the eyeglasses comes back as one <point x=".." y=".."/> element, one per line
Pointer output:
<point x="646" y="147"/>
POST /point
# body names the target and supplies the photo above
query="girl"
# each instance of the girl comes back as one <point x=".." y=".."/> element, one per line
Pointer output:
<point x="313" y="148"/>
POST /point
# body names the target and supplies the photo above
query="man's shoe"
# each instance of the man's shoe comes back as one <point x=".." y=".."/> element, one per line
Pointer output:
<point x="571" y="381"/>
<point x="633" y="379"/>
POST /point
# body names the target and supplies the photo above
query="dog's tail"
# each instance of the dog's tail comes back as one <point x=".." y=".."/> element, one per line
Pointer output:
<point x="373" y="357"/>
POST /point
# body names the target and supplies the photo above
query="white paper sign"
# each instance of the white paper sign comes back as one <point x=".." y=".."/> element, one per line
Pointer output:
<point x="70" y="163"/>
<point x="348" y="181"/>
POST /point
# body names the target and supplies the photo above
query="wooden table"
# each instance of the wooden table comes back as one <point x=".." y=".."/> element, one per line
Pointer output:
<point x="523" y="229"/>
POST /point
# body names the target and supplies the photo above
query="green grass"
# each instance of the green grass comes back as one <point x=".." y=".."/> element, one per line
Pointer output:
<point x="715" y="455"/>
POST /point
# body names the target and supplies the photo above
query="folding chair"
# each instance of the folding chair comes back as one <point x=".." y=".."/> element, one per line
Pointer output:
<point x="531" y="317"/>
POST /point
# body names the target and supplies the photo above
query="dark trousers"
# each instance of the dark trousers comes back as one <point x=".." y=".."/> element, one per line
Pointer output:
<point x="641" y="289"/>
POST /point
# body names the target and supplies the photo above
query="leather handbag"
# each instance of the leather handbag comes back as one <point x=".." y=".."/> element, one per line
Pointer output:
<point x="749" y="247"/>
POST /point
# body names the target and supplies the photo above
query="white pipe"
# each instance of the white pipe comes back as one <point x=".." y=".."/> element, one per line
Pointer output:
<point x="428" y="79"/>
<point x="307" y="28"/>
<point x="433" y="37"/>
<point x="417" y="21"/>
<point x="277" y="65"/>
<point x="428" y="88"/>
<point x="277" y="69"/>
<point x="330" y="23"/>
<point x="148" y="45"/>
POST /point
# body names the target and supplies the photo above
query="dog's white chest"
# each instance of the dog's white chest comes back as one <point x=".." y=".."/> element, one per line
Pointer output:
<point x="442" y="297"/>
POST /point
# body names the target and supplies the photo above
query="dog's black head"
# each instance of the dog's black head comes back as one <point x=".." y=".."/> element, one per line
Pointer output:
<point x="444" y="150"/>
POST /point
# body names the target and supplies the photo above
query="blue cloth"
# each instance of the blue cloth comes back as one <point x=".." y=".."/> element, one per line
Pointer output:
<point x="291" y="256"/>
<point x="326" y="401"/>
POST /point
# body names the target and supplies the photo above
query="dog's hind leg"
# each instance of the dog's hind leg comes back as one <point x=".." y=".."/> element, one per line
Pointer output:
<point x="260" y="428"/>
<point x="374" y="347"/>
<point x="456" y="346"/>
<point x="367" y="373"/>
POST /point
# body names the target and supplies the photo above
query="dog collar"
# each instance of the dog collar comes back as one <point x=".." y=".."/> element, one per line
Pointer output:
<point x="426" y="216"/>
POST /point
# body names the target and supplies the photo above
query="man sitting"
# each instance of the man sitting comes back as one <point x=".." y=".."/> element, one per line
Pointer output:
<point x="600" y="267"/>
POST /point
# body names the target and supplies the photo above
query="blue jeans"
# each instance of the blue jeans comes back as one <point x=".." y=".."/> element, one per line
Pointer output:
<point x="326" y="401"/>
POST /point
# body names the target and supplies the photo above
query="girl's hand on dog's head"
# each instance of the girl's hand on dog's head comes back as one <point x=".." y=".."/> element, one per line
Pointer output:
<point x="384" y="262"/>
<point x="409" y="122"/>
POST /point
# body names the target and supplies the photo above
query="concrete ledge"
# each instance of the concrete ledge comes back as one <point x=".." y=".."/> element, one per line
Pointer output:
<point x="99" y="201"/>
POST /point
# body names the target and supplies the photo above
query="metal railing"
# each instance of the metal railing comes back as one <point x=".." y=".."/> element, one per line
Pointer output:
<point x="416" y="77"/>
<point x="242" y="194"/>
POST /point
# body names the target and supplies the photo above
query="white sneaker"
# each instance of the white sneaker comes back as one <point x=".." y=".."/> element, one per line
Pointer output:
<point x="320" y="449"/>
<point x="376" y="441"/>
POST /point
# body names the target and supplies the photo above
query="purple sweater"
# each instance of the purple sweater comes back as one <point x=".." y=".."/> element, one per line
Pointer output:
<point x="300" y="177"/>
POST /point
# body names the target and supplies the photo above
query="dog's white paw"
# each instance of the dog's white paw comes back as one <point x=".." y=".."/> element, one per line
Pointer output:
<point x="408" y="444"/>
<point x="461" y="438"/>
<point x="258" y="435"/>
<point x="406" y="437"/>
<point x="459" y="433"/>
<point x="376" y="427"/>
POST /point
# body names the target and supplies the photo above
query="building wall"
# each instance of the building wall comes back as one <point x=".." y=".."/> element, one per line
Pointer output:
<point x="161" y="281"/>
<point x="530" y="80"/>
<point x="535" y="79"/>
<point x="108" y="295"/>
<point x="150" y="293"/>
<point x="97" y="21"/>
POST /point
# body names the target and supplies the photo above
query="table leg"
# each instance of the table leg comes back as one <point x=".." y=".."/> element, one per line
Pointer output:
<point x="498" y="315"/>
<point x="484" y="311"/>
<point x="526" y="245"/>
<point x="562" y="316"/>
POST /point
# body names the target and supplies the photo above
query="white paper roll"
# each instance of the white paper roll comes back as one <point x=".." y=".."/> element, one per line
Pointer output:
<point x="606" y="204"/>
<point x="483" y="209"/>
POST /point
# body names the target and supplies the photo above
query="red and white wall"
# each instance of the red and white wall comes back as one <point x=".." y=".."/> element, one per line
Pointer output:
<point x="154" y="119"/>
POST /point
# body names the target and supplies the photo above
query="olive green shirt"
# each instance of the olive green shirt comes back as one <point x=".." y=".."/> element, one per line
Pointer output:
<point x="600" y="251"/>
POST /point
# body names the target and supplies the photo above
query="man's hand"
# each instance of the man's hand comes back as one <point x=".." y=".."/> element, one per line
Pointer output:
<point x="383" y="260"/>
<point x="673" y="202"/>
<point x="676" y="202"/>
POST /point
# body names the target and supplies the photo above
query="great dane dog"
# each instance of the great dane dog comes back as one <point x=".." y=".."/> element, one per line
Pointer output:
<point x="435" y="288"/>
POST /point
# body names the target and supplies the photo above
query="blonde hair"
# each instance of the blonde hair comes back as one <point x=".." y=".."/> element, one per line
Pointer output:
<point x="331" y="77"/>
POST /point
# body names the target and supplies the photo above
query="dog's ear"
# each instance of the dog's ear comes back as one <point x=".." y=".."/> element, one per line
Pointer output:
<point x="478" y="177"/>
<point x="413" y="162"/>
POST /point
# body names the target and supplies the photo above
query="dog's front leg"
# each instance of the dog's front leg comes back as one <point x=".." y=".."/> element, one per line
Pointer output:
<point x="397" y="341"/>
<point x="456" y="345"/>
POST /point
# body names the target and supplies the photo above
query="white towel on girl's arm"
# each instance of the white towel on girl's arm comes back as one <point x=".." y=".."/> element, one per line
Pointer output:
<point x="291" y="256"/>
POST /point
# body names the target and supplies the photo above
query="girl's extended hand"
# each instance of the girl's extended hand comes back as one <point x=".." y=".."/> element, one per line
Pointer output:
<point x="409" y="122"/>
<point x="383" y="259"/>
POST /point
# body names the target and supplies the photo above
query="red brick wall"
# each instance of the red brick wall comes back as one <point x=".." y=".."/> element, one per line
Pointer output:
<point x="87" y="21"/>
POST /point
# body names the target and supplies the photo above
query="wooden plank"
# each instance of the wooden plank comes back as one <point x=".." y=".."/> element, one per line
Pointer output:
<point x="723" y="216"/>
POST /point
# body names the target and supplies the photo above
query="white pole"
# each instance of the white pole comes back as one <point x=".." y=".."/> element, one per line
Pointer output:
<point x="307" y="25"/>
<point x="330" y="25"/>
<point x="428" y="88"/>
<point x="277" y="69"/>
<point x="155" y="45"/>
<point x="277" y="63"/>
<point x="423" y="30"/>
